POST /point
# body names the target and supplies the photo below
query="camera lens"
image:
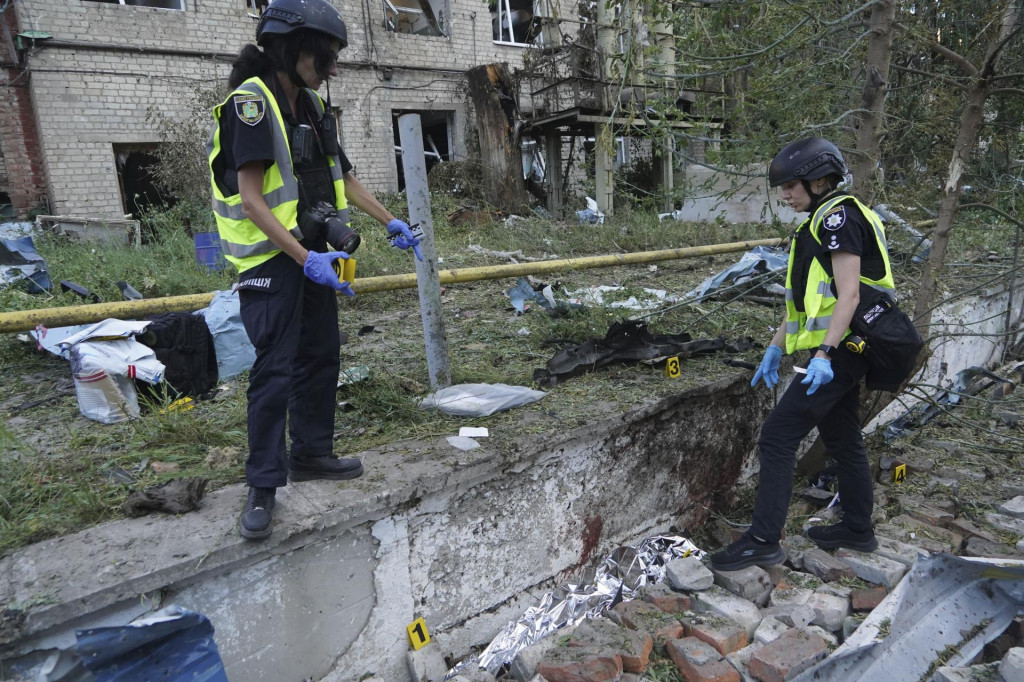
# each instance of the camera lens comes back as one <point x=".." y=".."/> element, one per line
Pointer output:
<point x="341" y="237"/>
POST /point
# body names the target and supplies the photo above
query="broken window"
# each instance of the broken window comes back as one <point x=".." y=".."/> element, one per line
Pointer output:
<point x="524" y="22"/>
<point x="139" y="190"/>
<point x="178" y="5"/>
<point x="437" y="140"/>
<point x="512" y="21"/>
<point x="419" y="17"/>
<point x="533" y="161"/>
<point x="256" y="7"/>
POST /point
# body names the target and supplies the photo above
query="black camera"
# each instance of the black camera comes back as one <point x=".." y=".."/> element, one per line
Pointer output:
<point x="324" y="217"/>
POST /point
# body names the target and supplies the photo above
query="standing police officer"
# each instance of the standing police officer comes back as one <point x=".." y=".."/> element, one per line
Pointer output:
<point x="838" y="249"/>
<point x="274" y="158"/>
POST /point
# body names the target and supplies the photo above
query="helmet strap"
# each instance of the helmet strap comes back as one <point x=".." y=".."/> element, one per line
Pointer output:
<point x="815" y="198"/>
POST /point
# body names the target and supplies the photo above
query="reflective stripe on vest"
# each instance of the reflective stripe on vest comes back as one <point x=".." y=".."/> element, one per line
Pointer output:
<point x="806" y="329"/>
<point x="244" y="244"/>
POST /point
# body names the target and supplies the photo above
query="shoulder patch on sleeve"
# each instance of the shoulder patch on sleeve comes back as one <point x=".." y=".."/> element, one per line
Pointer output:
<point x="250" y="109"/>
<point x="835" y="218"/>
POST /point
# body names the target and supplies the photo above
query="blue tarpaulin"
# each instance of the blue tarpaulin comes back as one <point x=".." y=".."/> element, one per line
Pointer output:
<point x="20" y="262"/>
<point x="757" y="262"/>
<point x="171" y="645"/>
<point x="235" y="353"/>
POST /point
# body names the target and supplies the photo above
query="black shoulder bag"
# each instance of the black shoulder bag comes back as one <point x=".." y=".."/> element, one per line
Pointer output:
<point x="893" y="341"/>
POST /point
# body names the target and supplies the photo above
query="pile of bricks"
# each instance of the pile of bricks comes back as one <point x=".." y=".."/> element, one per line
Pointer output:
<point x="770" y="624"/>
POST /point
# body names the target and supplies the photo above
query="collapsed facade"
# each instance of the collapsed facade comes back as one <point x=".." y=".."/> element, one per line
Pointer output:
<point x="87" y="82"/>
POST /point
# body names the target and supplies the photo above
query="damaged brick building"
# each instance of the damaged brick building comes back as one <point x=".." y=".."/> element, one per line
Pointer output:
<point x="80" y="77"/>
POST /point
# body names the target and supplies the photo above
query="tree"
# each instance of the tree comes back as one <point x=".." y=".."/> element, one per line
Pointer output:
<point x="980" y="83"/>
<point x="876" y="86"/>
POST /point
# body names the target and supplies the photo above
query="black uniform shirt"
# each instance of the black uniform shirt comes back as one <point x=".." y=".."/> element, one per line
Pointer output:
<point x="246" y="135"/>
<point x="843" y="228"/>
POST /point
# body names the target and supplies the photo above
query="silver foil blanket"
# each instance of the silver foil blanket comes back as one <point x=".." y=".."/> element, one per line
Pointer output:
<point x="616" y="579"/>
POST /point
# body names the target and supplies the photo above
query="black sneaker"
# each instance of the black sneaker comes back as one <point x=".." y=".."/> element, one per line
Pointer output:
<point x="838" y="535"/>
<point x="746" y="552"/>
<point x="254" y="523"/>
<point x="328" y="467"/>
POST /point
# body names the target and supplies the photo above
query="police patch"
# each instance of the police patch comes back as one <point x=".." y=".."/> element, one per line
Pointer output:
<point x="835" y="218"/>
<point x="249" y="108"/>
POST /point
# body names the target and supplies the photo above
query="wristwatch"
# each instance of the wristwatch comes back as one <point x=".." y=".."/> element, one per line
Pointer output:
<point x="826" y="349"/>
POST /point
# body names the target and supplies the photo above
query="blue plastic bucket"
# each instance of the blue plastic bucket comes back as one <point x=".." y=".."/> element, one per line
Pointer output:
<point x="209" y="253"/>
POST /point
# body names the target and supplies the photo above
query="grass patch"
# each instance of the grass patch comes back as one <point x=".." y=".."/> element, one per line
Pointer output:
<point x="60" y="472"/>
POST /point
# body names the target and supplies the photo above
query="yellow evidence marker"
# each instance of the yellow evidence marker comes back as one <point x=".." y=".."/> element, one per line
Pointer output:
<point x="899" y="473"/>
<point x="672" y="367"/>
<point x="418" y="635"/>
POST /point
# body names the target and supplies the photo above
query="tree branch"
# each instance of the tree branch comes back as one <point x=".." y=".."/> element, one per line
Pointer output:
<point x="1007" y="91"/>
<point x="748" y="55"/>
<point x="945" y="79"/>
<point x="1009" y="217"/>
<point x="993" y="55"/>
<point x="949" y="54"/>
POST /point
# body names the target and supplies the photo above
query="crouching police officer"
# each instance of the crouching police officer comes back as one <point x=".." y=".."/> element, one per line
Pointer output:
<point x="281" y="188"/>
<point x="837" y="249"/>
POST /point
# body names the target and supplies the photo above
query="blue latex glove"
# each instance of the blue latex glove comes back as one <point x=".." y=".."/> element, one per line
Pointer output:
<point x="769" y="367"/>
<point x="318" y="267"/>
<point x="819" y="373"/>
<point x="402" y="237"/>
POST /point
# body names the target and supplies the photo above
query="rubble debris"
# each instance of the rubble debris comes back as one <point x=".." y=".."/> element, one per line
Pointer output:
<point x="756" y="267"/>
<point x="590" y="215"/>
<point x="965" y="383"/>
<point x="177" y="496"/>
<point x="104" y="362"/>
<point x="643" y="299"/>
<point x="480" y="400"/>
<point x="629" y="341"/>
<point x="129" y="292"/>
<point x="20" y="262"/>
<point x="523" y="292"/>
<point x="620" y="576"/>
<point x="79" y="290"/>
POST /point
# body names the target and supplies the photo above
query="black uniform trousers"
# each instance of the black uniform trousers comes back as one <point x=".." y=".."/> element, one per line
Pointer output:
<point x="834" y="409"/>
<point x="293" y="324"/>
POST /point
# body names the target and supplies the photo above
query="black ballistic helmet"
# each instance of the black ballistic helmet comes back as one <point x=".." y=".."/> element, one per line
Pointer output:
<point x="807" y="159"/>
<point x="284" y="16"/>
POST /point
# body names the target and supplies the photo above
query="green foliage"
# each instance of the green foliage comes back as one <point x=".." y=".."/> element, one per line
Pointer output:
<point x="182" y="167"/>
<point x="164" y="267"/>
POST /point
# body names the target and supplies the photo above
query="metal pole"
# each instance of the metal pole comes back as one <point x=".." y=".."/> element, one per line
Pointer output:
<point x="428" y="282"/>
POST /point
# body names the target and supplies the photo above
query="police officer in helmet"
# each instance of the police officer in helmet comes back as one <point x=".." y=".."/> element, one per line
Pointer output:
<point x="838" y="249"/>
<point x="281" y="189"/>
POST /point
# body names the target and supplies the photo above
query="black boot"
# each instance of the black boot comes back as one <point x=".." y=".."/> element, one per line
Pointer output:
<point x="254" y="523"/>
<point x="328" y="468"/>
<point x="839" y="535"/>
<point x="747" y="552"/>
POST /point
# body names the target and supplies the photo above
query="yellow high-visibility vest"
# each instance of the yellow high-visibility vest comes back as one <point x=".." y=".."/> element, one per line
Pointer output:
<point x="806" y="329"/>
<point x="245" y="245"/>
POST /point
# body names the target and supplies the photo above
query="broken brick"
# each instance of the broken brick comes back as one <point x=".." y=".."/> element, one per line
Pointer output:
<point x="792" y="653"/>
<point x="638" y="615"/>
<point x="867" y="599"/>
<point x="699" y="662"/>
<point x="724" y="634"/>
<point x="574" y="664"/>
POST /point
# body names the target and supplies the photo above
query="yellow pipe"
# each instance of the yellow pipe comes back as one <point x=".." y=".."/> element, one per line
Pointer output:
<point x="25" y="320"/>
